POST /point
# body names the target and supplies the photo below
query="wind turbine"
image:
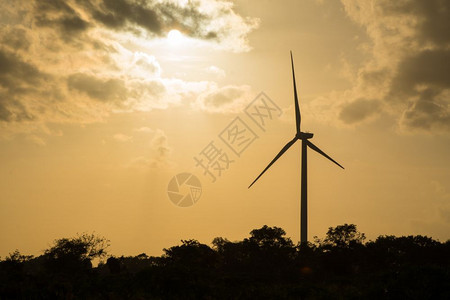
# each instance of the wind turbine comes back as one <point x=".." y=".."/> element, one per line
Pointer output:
<point x="304" y="137"/>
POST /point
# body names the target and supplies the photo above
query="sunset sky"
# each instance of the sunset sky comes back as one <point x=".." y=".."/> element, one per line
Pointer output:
<point x="102" y="102"/>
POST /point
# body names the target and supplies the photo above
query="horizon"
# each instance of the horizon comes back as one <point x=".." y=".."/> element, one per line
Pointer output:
<point x="316" y="242"/>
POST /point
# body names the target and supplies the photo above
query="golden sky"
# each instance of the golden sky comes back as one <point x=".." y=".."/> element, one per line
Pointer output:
<point x="103" y="102"/>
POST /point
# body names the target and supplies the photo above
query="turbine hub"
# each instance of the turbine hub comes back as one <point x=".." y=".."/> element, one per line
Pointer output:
<point x="304" y="135"/>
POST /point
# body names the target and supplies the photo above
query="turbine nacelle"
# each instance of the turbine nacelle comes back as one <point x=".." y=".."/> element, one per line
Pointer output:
<point x="304" y="135"/>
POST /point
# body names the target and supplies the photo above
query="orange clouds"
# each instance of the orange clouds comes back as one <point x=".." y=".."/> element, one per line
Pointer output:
<point x="407" y="75"/>
<point x="78" y="61"/>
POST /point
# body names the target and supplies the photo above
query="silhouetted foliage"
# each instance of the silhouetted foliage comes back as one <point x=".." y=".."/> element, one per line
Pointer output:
<point x="113" y="265"/>
<point x="73" y="255"/>
<point x="343" y="236"/>
<point x="266" y="265"/>
<point x="270" y="237"/>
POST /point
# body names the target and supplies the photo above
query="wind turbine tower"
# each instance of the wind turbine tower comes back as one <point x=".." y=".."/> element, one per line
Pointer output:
<point x="304" y="137"/>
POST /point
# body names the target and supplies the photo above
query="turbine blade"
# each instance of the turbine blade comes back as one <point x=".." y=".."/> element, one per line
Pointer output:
<point x="287" y="146"/>
<point x="298" y="117"/>
<point x="315" y="148"/>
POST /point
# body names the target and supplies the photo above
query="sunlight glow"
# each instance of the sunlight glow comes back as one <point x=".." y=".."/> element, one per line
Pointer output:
<point x="175" y="37"/>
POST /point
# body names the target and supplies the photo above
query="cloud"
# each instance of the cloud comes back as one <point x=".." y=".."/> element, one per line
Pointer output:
<point x="118" y="14"/>
<point x="17" y="78"/>
<point x="140" y="163"/>
<point x="17" y="38"/>
<point x="407" y="75"/>
<point x="215" y="71"/>
<point x="207" y="20"/>
<point x="79" y="61"/>
<point x="159" y="156"/>
<point x="17" y="74"/>
<point x="144" y="129"/>
<point x="430" y="112"/>
<point x="359" y="110"/>
<point x="228" y="99"/>
<point x="60" y="15"/>
<point x="36" y="140"/>
<point x="160" y="146"/>
<point x="426" y="68"/>
<point x="109" y="89"/>
<point x="144" y="64"/>
<point x="432" y="18"/>
<point x="120" y="137"/>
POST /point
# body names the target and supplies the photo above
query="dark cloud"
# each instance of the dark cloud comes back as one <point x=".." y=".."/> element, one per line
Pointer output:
<point x="106" y="90"/>
<point x="409" y="72"/>
<point x="5" y="113"/>
<point x="223" y="96"/>
<point x="188" y="19"/>
<point x="17" y="78"/>
<point x="433" y="18"/>
<point x="11" y="109"/>
<point x="436" y="23"/>
<point x="430" y="67"/>
<point x="117" y="14"/>
<point x="227" y="99"/>
<point x="431" y="111"/>
<point x="359" y="110"/>
<point x="16" y="74"/>
<point x="424" y="81"/>
<point x="375" y="77"/>
<point x="154" y="17"/>
<point x="58" y="14"/>
<point x="15" y="38"/>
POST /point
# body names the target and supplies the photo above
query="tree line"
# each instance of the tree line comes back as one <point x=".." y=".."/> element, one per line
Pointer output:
<point x="266" y="265"/>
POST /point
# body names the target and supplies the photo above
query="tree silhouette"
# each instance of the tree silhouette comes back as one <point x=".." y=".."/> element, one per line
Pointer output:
<point x="343" y="236"/>
<point x="70" y="255"/>
<point x="270" y="237"/>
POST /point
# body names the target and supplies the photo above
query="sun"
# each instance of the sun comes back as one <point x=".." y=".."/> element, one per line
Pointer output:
<point x="175" y="36"/>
